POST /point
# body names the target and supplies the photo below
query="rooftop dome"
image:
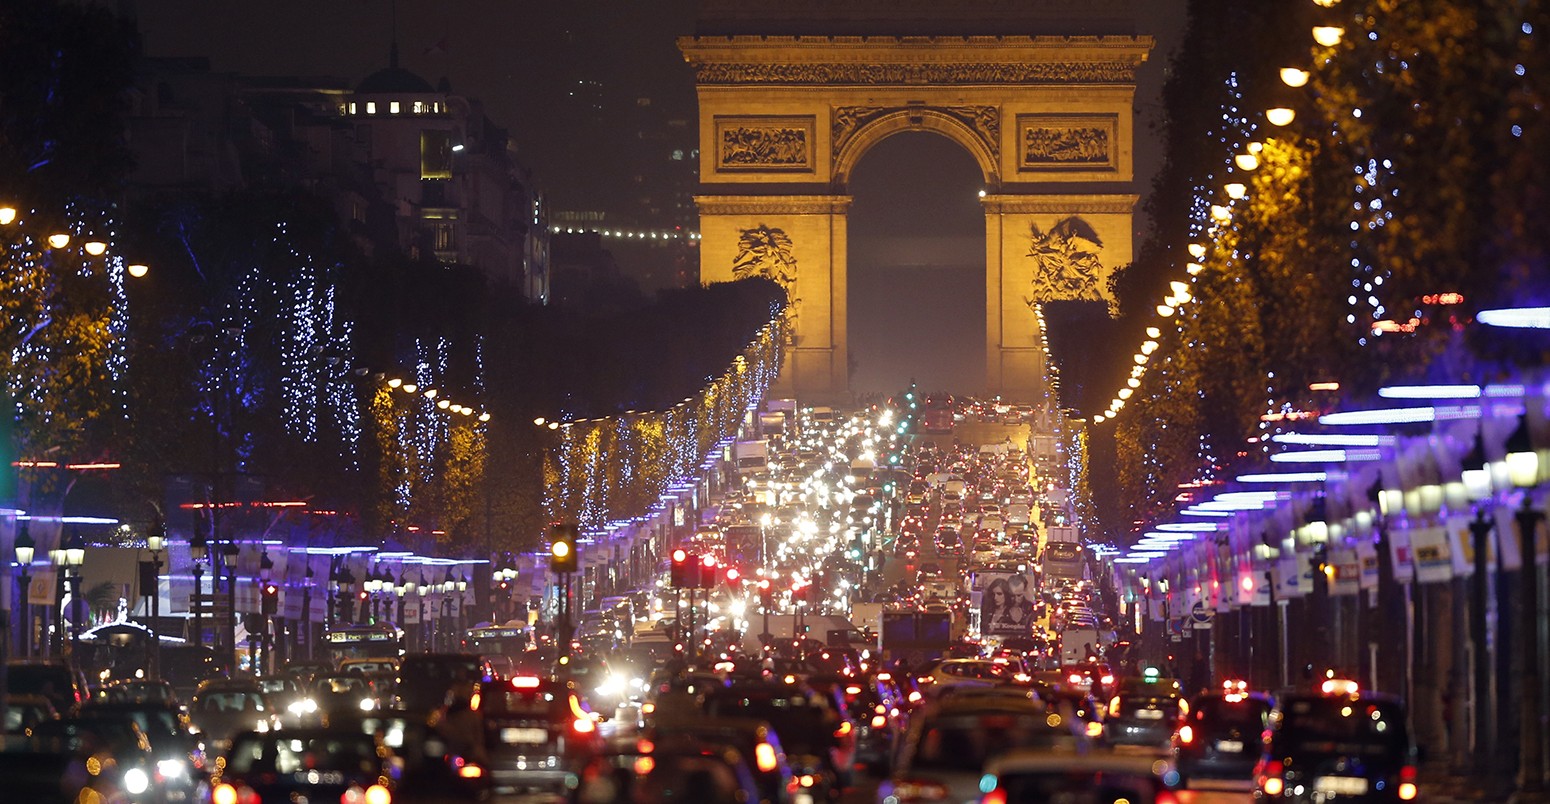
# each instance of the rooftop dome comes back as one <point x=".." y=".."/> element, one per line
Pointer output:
<point x="393" y="80"/>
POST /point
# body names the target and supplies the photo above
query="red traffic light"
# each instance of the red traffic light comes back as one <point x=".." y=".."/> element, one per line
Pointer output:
<point x="271" y="589"/>
<point x="709" y="560"/>
<point x="679" y="555"/>
<point x="733" y="574"/>
<point x="764" y="584"/>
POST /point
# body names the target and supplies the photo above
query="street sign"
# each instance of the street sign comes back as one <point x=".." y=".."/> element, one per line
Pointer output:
<point x="1200" y="616"/>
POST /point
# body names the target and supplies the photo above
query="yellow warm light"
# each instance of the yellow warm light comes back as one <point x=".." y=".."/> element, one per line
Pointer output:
<point x="1236" y="190"/>
<point x="1197" y="250"/>
<point x="1221" y="213"/>
<point x="1246" y="161"/>
<point x="443" y="404"/>
<point x="484" y="417"/>
<point x="1194" y="268"/>
<point x="1164" y="310"/>
<point x="1124" y="393"/>
<point x="1280" y="115"/>
<point x="1098" y="419"/>
<point x="7" y="216"/>
<point x="395" y="382"/>
<point x="138" y="269"/>
<point x="1294" y="77"/>
<point x="1148" y="347"/>
<point x="1328" y="35"/>
<point x="1141" y="359"/>
<point x="1133" y="382"/>
<point x="430" y="393"/>
<point x="59" y="240"/>
<point x="1153" y="332"/>
<point x="96" y="248"/>
<point x="410" y="387"/>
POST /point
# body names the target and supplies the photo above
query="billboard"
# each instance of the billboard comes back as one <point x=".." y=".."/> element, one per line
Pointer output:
<point x="1004" y="601"/>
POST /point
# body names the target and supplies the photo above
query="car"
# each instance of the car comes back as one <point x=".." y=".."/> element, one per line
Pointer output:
<point x="537" y="733"/>
<point x="944" y="753"/>
<point x="1220" y="738"/>
<point x="50" y="678"/>
<point x="26" y="711"/>
<point x="180" y="759"/>
<point x="1335" y="743"/>
<point x="315" y="764"/>
<point x="672" y="769"/>
<point x="341" y="693"/>
<point x="424" y="679"/>
<point x="222" y="708"/>
<point x="809" y="727"/>
<point x="110" y="744"/>
<point x="1145" y="711"/>
<point x="1039" y="775"/>
<point x="752" y="738"/>
<point x="286" y="695"/>
<point x="142" y="691"/>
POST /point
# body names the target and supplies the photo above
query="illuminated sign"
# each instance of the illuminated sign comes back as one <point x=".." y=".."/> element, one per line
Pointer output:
<point x="1443" y="298"/>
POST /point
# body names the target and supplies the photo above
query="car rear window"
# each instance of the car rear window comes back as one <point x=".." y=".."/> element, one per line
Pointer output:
<point x="1343" y="726"/>
<point x="527" y="702"/>
<point x="232" y="701"/>
<point x="963" y="742"/>
<point x="1248" y="714"/>
<point x="349" y="753"/>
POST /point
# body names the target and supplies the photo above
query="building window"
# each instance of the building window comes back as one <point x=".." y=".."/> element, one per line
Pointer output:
<point x="393" y="107"/>
<point x="371" y="107"/>
<point x="444" y="238"/>
<point x="352" y="107"/>
<point x="435" y="154"/>
<point x="419" y="107"/>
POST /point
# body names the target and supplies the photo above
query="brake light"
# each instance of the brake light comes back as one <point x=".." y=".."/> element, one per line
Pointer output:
<point x="1272" y="783"/>
<point x="878" y="721"/>
<point x="1074" y="678"/>
<point x="852" y="690"/>
<point x="584" y="725"/>
<point x="377" y="794"/>
<point x="473" y="701"/>
<point x="223" y="794"/>
<point x="1186" y="734"/>
<point x="1114" y="706"/>
<point x="914" y="696"/>
<point x="1094" y="728"/>
<point x="470" y="771"/>
<point x="524" y="682"/>
<point x="1108" y="680"/>
<point x="843" y="730"/>
<point x="764" y="757"/>
<point x="996" y="796"/>
<point x="1407" y="788"/>
<point x="1165" y="797"/>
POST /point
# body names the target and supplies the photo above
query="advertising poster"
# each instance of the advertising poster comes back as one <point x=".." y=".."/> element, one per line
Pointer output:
<point x="1429" y="545"/>
<point x="1004" y="601"/>
<point x="1347" y="579"/>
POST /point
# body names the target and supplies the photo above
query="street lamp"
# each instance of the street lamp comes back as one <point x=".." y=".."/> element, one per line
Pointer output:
<point x="373" y="585"/>
<point x="25" y="549"/>
<point x="155" y="541"/>
<point x="198" y="549"/>
<point x="1523" y="471"/>
<point x="74" y="558"/>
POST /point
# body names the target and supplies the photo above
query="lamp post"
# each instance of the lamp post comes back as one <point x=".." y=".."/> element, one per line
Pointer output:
<point x="154" y="542"/>
<point x="75" y="557"/>
<point x="1476" y="477"/>
<point x="229" y="552"/>
<point x="399" y="590"/>
<point x="373" y="585"/>
<point x="26" y="548"/>
<point x="424" y="590"/>
<point x="462" y="620"/>
<point x="1523" y="471"/>
<point x="198" y="549"/>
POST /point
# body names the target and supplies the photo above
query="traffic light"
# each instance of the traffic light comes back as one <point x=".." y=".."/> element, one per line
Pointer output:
<point x="707" y="574"/>
<point x="685" y="569"/>
<point x="766" y="592"/>
<point x="733" y="575"/>
<point x="270" y="598"/>
<point x="562" y="548"/>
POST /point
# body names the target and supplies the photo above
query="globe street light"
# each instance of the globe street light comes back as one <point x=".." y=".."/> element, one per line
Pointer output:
<point x="25" y="549"/>
<point x="198" y="548"/>
<point x="154" y="542"/>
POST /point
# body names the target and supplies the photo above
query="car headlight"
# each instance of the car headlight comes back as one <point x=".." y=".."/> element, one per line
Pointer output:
<point x="304" y="706"/>
<point x="368" y="704"/>
<point x="261" y="726"/>
<point x="136" y="781"/>
<point x="172" y="768"/>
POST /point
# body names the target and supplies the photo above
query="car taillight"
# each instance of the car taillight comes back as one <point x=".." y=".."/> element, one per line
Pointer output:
<point x="223" y="794"/>
<point x="1074" y="678"/>
<point x="1165" y="797"/>
<point x="844" y="729"/>
<point x="1108" y="680"/>
<point x="1407" y="788"/>
<point x="1114" y="706"/>
<point x="1186" y="734"/>
<point x="878" y="721"/>
<point x="764" y="757"/>
<point x="1094" y="729"/>
<point x="583" y="725"/>
<point x="995" y="796"/>
<point x="1272" y="783"/>
<point x="377" y="794"/>
<point x="524" y="682"/>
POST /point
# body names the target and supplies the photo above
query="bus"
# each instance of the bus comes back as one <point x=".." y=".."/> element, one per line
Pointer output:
<point x="937" y="418"/>
<point x="1063" y="560"/>
<point x="498" y="640"/>
<point x="379" y="641"/>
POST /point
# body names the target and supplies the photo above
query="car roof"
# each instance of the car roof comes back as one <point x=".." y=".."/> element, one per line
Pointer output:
<point x="1033" y="759"/>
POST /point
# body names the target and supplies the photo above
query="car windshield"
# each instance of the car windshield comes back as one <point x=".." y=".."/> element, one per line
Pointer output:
<point x="963" y="742"/>
<point x="802" y="721"/>
<point x="536" y="702"/>
<point x="1077" y="786"/>
<point x="1343" y="726"/>
<point x="230" y="701"/>
<point x="345" y="752"/>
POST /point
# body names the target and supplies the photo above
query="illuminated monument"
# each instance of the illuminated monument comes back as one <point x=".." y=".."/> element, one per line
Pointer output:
<point x="1039" y="94"/>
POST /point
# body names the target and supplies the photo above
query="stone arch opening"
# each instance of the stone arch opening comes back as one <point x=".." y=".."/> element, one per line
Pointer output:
<point x="916" y="266"/>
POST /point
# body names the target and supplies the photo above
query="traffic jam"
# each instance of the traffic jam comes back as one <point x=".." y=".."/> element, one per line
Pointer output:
<point x="893" y="604"/>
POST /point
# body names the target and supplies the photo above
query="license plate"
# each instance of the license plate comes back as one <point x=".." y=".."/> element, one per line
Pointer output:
<point x="1230" y="746"/>
<point x="1341" y="785"/>
<point x="524" y="736"/>
<point x="1149" y="714"/>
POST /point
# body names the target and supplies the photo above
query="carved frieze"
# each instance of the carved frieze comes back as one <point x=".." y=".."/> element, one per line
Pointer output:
<point x="764" y="143"/>
<point x="1066" y="264"/>
<point x="1067" y="142"/>
<point x="984" y="121"/>
<point x="871" y="74"/>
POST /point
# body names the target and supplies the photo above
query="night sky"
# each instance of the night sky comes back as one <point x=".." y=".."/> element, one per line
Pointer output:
<point x="917" y="255"/>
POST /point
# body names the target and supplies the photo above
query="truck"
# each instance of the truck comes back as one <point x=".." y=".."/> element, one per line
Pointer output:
<point x="749" y="457"/>
<point x="772" y="424"/>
